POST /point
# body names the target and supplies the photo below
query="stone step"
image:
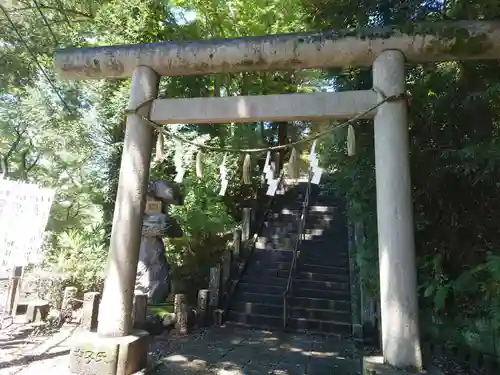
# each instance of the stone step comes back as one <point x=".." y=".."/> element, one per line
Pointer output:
<point x="321" y="269"/>
<point x="299" y="291"/>
<point x="261" y="289"/>
<point x="320" y="326"/>
<point x="254" y="320"/>
<point x="327" y="249"/>
<point x="321" y="285"/>
<point x="319" y="314"/>
<point x="281" y="243"/>
<point x="267" y="265"/>
<point x="259" y="280"/>
<point x="341" y="276"/>
<point x="298" y="283"/>
<point x="335" y="295"/>
<point x="252" y="308"/>
<point x="321" y="300"/>
<point x="311" y="238"/>
<point x="306" y="256"/>
<point x="261" y="298"/>
<point x="312" y="231"/>
<point x="320" y="304"/>
<point x="289" y="217"/>
<point x="287" y="242"/>
<point x="341" y="261"/>
<point x="329" y="240"/>
<point x="323" y="251"/>
<point x="312" y="209"/>
<point x="264" y="273"/>
<point x="273" y="255"/>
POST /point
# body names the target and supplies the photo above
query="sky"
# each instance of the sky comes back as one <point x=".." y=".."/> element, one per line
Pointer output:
<point x="183" y="16"/>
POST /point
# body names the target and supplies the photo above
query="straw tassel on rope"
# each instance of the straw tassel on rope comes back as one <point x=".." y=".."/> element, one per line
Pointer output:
<point x="247" y="170"/>
<point x="351" y="141"/>
<point x="159" y="156"/>
<point x="293" y="164"/>
<point x="199" y="164"/>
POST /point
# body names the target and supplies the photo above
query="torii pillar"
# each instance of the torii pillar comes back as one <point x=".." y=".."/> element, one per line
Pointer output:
<point x="396" y="243"/>
<point x="115" y="349"/>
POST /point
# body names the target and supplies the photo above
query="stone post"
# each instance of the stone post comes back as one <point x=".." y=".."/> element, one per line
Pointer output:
<point x="246" y="227"/>
<point x="227" y="261"/>
<point x="398" y="281"/>
<point x="203" y="301"/>
<point x="354" y="279"/>
<point x="90" y="311"/>
<point x="214" y="286"/>
<point x="116" y="307"/>
<point x="237" y="243"/>
<point x="181" y="313"/>
<point x="70" y="293"/>
<point x="14" y="286"/>
<point x="246" y="223"/>
<point x="140" y="310"/>
<point x="277" y="161"/>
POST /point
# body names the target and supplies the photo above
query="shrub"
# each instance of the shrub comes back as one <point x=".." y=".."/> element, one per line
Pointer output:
<point x="76" y="258"/>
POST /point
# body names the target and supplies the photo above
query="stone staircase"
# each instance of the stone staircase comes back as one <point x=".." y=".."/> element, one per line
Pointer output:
<point x="320" y="300"/>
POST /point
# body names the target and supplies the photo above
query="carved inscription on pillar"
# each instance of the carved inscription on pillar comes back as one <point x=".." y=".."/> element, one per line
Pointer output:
<point x="89" y="356"/>
<point x="87" y="359"/>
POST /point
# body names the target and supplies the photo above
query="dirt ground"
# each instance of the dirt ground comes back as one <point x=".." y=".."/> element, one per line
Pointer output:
<point x="26" y="350"/>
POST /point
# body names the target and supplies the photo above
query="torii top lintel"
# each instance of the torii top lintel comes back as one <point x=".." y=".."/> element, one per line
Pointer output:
<point x="419" y="42"/>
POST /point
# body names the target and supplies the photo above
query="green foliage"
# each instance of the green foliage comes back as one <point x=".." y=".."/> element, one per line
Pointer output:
<point x="204" y="217"/>
<point x="478" y="288"/>
<point x="76" y="258"/>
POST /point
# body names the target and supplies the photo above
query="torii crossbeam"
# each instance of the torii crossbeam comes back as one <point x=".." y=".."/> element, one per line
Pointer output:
<point x="386" y="49"/>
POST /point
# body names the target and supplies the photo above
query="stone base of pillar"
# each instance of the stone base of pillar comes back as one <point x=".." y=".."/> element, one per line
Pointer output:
<point x="375" y="366"/>
<point x="93" y="354"/>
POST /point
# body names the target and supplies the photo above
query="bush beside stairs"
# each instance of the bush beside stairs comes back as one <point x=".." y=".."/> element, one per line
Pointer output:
<point x="320" y="301"/>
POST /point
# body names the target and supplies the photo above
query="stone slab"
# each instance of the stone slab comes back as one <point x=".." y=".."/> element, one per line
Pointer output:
<point x="93" y="354"/>
<point x="375" y="365"/>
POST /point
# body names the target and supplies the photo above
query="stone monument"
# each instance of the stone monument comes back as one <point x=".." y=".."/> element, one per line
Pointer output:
<point x="153" y="270"/>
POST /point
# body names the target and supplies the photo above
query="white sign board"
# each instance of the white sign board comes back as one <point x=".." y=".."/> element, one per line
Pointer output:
<point x="24" y="212"/>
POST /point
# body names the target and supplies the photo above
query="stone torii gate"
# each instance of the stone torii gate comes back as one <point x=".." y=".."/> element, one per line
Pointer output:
<point x="386" y="49"/>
